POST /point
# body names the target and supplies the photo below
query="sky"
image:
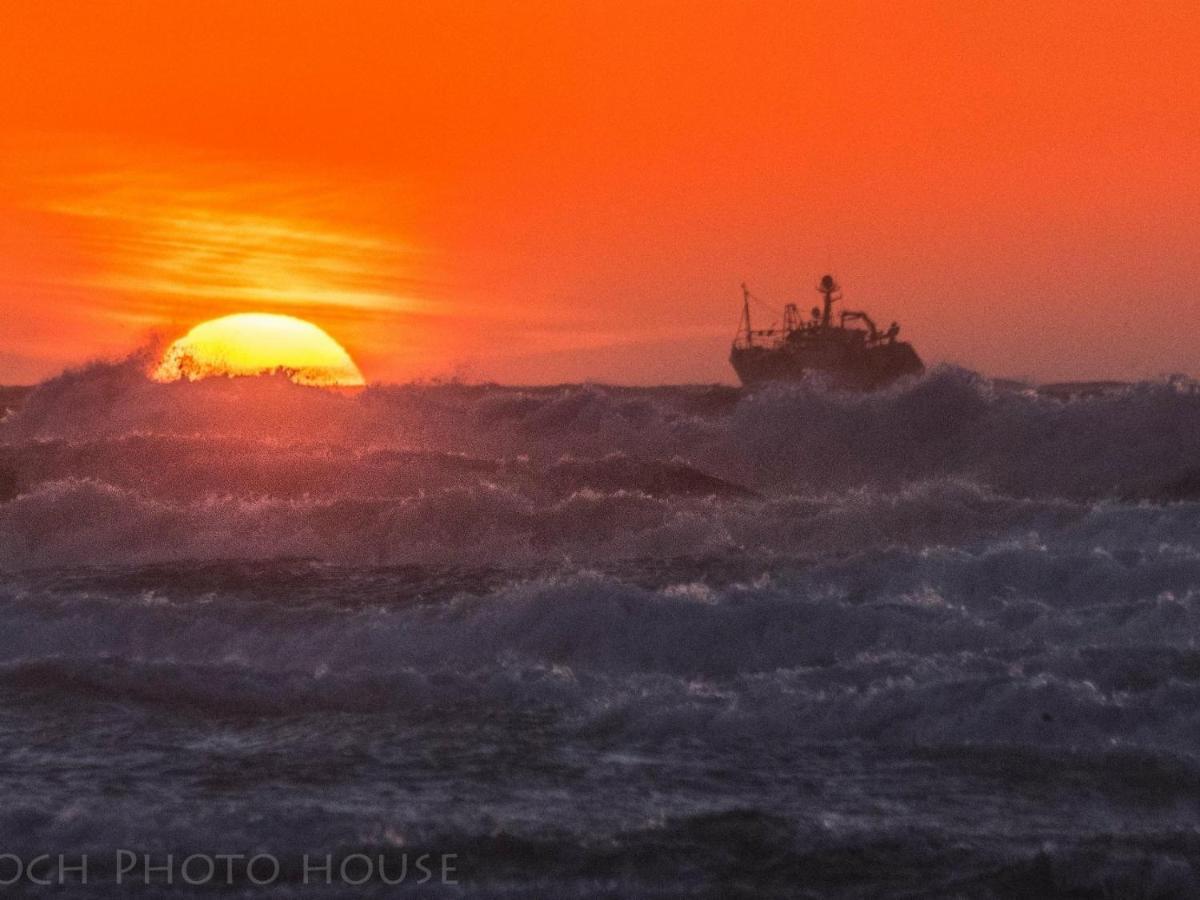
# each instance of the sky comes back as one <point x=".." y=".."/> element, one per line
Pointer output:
<point x="539" y="192"/>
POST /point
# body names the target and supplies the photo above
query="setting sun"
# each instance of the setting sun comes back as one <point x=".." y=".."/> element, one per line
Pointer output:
<point x="255" y="343"/>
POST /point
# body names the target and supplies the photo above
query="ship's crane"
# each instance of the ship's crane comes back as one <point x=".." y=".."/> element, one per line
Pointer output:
<point x="852" y="315"/>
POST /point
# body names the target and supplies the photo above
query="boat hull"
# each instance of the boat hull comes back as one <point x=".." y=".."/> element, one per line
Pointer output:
<point x="858" y="368"/>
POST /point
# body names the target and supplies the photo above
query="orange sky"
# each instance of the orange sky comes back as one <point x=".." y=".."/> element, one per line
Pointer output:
<point x="538" y="192"/>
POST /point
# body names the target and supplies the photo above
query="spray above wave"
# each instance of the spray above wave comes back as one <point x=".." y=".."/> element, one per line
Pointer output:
<point x="104" y="465"/>
<point x="951" y="422"/>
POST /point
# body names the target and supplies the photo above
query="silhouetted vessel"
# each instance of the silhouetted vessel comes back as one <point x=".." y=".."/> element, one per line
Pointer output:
<point x="861" y="358"/>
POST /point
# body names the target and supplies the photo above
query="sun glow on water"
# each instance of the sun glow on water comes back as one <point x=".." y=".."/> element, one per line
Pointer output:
<point x="257" y="343"/>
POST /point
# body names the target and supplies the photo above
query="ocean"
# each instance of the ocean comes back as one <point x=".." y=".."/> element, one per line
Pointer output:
<point x="589" y="641"/>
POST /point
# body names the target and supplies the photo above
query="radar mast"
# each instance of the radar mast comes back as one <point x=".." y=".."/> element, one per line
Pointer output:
<point x="828" y="288"/>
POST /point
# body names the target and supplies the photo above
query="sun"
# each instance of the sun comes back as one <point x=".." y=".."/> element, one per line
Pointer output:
<point x="256" y="343"/>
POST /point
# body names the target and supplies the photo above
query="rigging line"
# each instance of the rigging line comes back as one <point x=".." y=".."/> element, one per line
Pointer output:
<point x="741" y="321"/>
<point x="762" y="304"/>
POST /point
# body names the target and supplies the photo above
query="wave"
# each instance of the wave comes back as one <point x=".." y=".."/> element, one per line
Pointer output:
<point x="1141" y="440"/>
<point x="82" y="521"/>
<point x="902" y="649"/>
<point x="101" y="465"/>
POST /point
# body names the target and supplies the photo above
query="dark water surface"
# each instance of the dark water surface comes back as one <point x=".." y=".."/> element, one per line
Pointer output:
<point x="605" y="642"/>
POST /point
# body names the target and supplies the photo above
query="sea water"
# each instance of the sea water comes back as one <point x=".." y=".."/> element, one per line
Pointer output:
<point x="587" y="641"/>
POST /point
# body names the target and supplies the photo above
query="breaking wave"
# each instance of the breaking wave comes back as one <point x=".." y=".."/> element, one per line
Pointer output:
<point x="102" y="465"/>
<point x="1079" y="651"/>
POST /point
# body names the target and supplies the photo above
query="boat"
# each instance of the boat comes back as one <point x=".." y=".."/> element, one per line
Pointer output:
<point x="851" y="353"/>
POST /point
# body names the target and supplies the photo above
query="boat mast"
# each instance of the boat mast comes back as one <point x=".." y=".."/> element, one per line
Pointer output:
<point x="746" y="314"/>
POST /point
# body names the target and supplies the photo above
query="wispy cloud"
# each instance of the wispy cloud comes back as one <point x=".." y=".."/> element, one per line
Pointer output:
<point x="168" y="243"/>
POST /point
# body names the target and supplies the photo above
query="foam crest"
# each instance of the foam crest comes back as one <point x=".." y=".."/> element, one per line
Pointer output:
<point x="801" y="658"/>
<point x="1141" y="441"/>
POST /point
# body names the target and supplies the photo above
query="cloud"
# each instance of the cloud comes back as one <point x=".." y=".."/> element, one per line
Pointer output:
<point x="223" y="237"/>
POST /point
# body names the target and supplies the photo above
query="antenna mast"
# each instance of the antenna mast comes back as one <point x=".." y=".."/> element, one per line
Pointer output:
<point x="828" y="287"/>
